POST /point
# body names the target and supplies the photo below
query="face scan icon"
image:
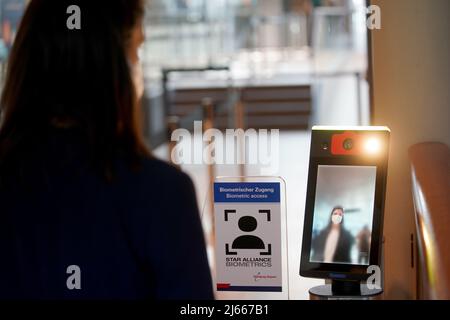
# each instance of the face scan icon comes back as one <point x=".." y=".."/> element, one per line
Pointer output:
<point x="248" y="241"/>
<point x="343" y="213"/>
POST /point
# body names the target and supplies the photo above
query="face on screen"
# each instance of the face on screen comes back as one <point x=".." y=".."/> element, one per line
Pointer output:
<point x="343" y="212"/>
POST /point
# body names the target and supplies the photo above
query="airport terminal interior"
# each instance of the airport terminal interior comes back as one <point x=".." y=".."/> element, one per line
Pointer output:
<point x="282" y="67"/>
<point x="264" y="44"/>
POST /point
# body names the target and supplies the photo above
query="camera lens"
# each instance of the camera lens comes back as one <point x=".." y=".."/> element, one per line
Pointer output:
<point x="348" y="144"/>
<point x="325" y="146"/>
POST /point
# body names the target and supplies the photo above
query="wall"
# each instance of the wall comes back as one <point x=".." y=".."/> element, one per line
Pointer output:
<point x="411" y="95"/>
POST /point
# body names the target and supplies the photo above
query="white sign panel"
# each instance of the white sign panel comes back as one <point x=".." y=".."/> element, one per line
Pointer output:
<point x="248" y="236"/>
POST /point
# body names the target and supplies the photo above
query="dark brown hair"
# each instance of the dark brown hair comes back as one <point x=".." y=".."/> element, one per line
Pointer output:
<point x="64" y="78"/>
<point x="337" y="208"/>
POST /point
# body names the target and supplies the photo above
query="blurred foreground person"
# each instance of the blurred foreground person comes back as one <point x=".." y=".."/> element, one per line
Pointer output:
<point x="85" y="211"/>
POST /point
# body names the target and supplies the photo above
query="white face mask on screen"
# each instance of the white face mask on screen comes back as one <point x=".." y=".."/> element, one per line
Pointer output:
<point x="336" y="219"/>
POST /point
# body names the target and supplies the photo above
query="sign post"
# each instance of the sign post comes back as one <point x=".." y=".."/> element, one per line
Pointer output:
<point x="250" y="226"/>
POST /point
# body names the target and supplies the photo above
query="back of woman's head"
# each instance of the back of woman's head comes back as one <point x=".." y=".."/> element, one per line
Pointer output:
<point x="59" y="77"/>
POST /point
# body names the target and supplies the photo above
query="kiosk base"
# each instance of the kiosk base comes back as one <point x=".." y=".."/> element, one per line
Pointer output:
<point x="344" y="290"/>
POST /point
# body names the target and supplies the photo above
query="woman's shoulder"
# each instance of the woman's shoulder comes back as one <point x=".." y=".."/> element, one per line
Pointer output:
<point x="347" y="234"/>
<point x="155" y="171"/>
<point x="154" y="184"/>
<point x="154" y="166"/>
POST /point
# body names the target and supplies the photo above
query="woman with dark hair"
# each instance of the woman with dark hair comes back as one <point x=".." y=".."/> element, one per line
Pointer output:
<point x="334" y="243"/>
<point x="86" y="212"/>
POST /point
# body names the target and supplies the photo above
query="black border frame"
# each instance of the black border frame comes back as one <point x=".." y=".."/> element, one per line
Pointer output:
<point x="319" y="156"/>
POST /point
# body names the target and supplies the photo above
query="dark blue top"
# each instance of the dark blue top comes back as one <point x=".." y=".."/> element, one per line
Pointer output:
<point x="135" y="238"/>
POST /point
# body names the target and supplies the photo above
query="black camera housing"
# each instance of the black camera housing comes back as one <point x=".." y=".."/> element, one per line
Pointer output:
<point x="337" y="154"/>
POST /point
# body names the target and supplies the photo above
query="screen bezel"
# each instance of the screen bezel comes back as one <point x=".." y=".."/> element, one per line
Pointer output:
<point x="321" y="157"/>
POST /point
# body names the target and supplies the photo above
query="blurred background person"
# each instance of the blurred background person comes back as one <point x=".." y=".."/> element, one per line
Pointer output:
<point x="334" y="243"/>
<point x="78" y="186"/>
<point x="304" y="7"/>
<point x="363" y="242"/>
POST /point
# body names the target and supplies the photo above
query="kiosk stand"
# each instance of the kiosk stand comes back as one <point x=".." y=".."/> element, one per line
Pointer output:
<point x="344" y="290"/>
<point x="343" y="225"/>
